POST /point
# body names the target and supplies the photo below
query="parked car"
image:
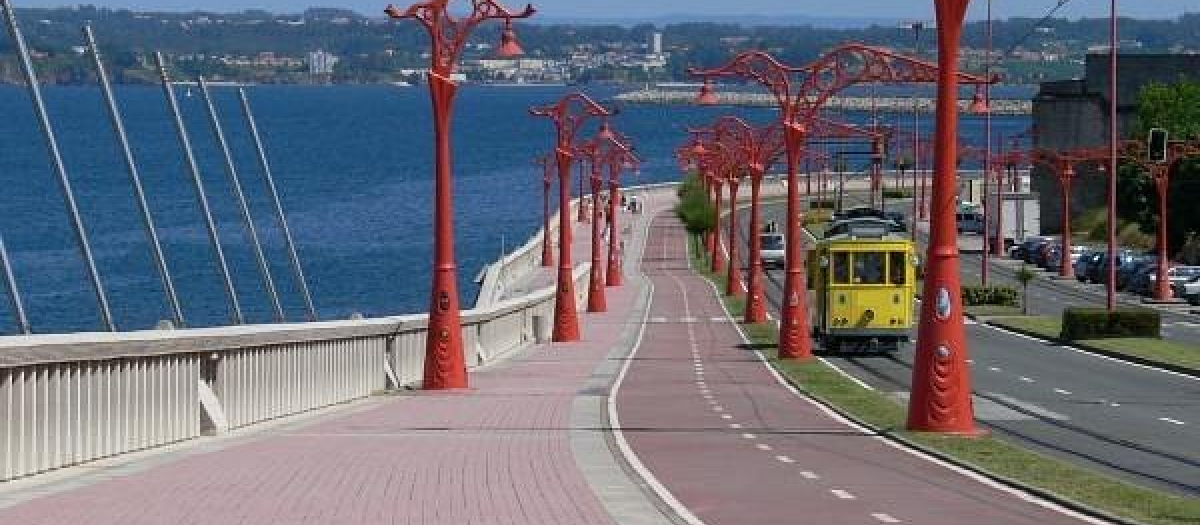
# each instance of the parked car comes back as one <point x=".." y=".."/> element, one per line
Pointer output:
<point x="1041" y="251"/>
<point x="1099" y="272"/>
<point x="1126" y="273"/>
<point x="1051" y="257"/>
<point x="1025" y="250"/>
<point x="1190" y="291"/>
<point x="1083" y="266"/>
<point x="970" y="222"/>
<point x="1146" y="282"/>
<point x="773" y="250"/>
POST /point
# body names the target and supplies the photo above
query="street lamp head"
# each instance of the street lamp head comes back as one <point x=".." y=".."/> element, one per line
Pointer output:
<point x="606" y="131"/>
<point x="708" y="95"/>
<point x="508" y="42"/>
<point x="979" y="103"/>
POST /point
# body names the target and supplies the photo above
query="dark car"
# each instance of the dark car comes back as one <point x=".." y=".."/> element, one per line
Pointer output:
<point x="1026" y="249"/>
<point x="1099" y="272"/>
<point x="1127" y="272"/>
<point x="1083" y="267"/>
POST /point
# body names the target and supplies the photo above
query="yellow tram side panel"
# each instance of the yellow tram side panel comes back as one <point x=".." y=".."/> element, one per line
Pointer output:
<point x="862" y="306"/>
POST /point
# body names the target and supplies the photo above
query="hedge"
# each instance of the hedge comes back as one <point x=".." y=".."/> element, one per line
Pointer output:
<point x="989" y="295"/>
<point x="1097" y="323"/>
<point x="825" y="204"/>
<point x="896" y="194"/>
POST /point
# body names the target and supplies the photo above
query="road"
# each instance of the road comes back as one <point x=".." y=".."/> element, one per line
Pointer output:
<point x="732" y="444"/>
<point x="1138" y="423"/>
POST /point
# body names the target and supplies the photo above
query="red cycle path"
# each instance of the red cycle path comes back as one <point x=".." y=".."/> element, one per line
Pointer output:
<point x="736" y="447"/>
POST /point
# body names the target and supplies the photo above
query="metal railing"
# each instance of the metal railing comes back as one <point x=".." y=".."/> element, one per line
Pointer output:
<point x="67" y="399"/>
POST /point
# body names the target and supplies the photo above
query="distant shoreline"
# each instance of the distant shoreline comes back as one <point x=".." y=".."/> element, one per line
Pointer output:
<point x="885" y="104"/>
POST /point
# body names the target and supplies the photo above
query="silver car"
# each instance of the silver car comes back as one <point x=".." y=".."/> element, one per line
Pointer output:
<point x="773" y="250"/>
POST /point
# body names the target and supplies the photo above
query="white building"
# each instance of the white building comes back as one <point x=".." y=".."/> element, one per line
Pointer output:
<point x="321" y="63"/>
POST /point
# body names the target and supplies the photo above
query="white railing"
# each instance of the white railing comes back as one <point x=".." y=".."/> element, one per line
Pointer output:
<point x="67" y="399"/>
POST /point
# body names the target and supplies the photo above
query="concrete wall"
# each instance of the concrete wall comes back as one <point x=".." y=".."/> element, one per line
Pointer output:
<point x="1074" y="113"/>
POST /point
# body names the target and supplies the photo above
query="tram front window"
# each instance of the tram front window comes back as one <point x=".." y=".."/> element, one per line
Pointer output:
<point x="896" y="261"/>
<point x="868" y="268"/>
<point x="841" y="268"/>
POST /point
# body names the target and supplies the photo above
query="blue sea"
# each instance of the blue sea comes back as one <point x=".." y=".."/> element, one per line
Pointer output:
<point x="353" y="166"/>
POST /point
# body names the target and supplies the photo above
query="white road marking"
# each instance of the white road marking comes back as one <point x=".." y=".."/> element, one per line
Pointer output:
<point x="994" y="369"/>
<point x="657" y="319"/>
<point x="884" y="517"/>
<point x="809" y="475"/>
<point x="748" y="435"/>
<point x="1063" y="392"/>
<point x="1172" y="421"/>
<point x="970" y="361"/>
<point x="687" y="319"/>
<point x="763" y="446"/>
<point x="841" y="494"/>
<point x="735" y="425"/>
<point x="726" y="416"/>
<point x="1027" y="379"/>
<point x="785" y="459"/>
<point x="718" y="408"/>
<point x="718" y="319"/>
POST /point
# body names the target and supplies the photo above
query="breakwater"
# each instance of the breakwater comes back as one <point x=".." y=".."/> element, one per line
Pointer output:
<point x="885" y="104"/>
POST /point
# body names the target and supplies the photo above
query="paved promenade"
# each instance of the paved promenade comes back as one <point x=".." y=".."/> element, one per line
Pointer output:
<point x="705" y="434"/>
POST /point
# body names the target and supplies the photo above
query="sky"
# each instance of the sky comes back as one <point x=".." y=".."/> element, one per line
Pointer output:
<point x="901" y="9"/>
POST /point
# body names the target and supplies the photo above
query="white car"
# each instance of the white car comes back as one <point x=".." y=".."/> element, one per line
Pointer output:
<point x="772" y="250"/>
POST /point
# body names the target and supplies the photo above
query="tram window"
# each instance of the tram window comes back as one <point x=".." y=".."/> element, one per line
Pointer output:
<point x="868" y="268"/>
<point x="841" y="267"/>
<point x="896" y="261"/>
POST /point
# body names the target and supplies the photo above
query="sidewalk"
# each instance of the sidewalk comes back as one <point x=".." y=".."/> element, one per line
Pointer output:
<point x="526" y="444"/>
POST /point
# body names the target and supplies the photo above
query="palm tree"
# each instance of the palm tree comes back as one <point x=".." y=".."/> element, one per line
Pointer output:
<point x="1024" y="275"/>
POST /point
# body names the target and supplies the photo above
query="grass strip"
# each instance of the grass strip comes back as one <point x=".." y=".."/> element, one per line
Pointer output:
<point x="988" y="454"/>
<point x="1148" y="348"/>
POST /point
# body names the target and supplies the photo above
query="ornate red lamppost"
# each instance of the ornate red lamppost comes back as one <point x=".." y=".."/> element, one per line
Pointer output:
<point x="1062" y="164"/>
<point x="547" y="178"/>
<point x="445" y="365"/>
<point x="1160" y="171"/>
<point x="940" y="400"/>
<point x="759" y="149"/>
<point x="603" y="151"/>
<point x="624" y="158"/>
<point x="568" y="115"/>
<point x="799" y="103"/>
<point x="733" y="179"/>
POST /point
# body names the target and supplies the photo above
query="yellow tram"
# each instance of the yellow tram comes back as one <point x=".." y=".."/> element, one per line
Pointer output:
<point x="864" y="280"/>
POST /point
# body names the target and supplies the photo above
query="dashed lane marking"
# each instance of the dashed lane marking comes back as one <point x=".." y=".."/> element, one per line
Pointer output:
<point x="994" y="369"/>
<point x="1172" y="421"/>
<point x="763" y="446"/>
<point x="1028" y="379"/>
<point x="784" y="459"/>
<point x="841" y="494"/>
<point x="806" y="474"/>
<point x="735" y="425"/>
<point x="726" y="416"/>
<point x="1063" y="392"/>
<point x="884" y="517"/>
<point x="748" y="435"/>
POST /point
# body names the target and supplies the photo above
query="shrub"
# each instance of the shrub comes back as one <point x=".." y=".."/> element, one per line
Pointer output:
<point x="1096" y="323"/>
<point x="989" y="295"/>
<point x="825" y="204"/>
<point x="694" y="208"/>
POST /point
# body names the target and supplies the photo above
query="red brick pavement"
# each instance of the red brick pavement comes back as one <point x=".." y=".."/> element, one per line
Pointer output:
<point x="734" y="446"/>
<point x="499" y="453"/>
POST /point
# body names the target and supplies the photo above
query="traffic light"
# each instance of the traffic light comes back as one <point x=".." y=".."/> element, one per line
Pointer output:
<point x="1157" y="145"/>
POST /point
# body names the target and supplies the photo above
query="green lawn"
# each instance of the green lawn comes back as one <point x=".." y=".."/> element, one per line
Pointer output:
<point x="1000" y="458"/>
<point x="993" y="310"/>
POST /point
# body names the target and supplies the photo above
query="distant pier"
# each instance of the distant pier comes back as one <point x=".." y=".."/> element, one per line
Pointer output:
<point x="885" y="104"/>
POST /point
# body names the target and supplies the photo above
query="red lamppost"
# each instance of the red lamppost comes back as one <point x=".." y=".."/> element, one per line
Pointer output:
<point x="601" y="152"/>
<point x="1062" y="165"/>
<point x="759" y="149"/>
<point x="624" y="158"/>
<point x="940" y="400"/>
<point x="547" y="178"/>
<point x="1160" y="171"/>
<point x="799" y="103"/>
<point x="568" y="115"/>
<point x="445" y="365"/>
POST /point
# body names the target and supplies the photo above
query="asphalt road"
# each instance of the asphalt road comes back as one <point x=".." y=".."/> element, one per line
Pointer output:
<point x="1138" y="423"/>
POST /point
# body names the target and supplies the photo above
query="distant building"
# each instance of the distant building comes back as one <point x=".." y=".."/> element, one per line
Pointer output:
<point x="656" y="47"/>
<point x="321" y="63"/>
<point x="1069" y="114"/>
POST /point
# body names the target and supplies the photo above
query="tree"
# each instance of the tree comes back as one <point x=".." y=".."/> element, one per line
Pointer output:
<point x="1024" y="275"/>
<point x="1176" y="108"/>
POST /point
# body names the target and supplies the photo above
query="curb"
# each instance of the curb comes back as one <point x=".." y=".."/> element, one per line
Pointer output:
<point x="1179" y="369"/>
<point x="902" y="441"/>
